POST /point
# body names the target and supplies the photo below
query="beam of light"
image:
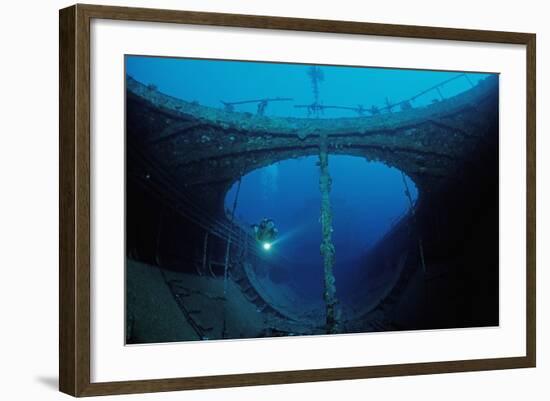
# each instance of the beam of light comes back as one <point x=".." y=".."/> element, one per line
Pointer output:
<point x="266" y="246"/>
<point x="296" y="231"/>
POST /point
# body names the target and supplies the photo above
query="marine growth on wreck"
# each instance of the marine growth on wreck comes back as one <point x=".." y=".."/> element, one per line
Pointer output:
<point x="274" y="199"/>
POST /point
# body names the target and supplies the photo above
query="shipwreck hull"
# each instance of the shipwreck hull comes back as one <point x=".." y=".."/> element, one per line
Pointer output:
<point x="439" y="265"/>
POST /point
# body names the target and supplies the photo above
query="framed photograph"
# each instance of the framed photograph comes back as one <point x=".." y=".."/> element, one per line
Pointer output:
<point x="250" y="200"/>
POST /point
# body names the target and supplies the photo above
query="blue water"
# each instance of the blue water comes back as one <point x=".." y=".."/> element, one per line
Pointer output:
<point x="211" y="82"/>
<point x="366" y="197"/>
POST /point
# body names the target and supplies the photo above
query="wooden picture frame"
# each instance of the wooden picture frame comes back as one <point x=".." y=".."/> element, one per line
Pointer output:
<point x="74" y="205"/>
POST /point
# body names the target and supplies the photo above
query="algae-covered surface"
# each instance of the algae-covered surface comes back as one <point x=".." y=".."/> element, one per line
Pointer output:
<point x="380" y="186"/>
<point x="165" y="306"/>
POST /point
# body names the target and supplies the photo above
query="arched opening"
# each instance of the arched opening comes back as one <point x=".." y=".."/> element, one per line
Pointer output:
<point x="367" y="198"/>
<point x="396" y="265"/>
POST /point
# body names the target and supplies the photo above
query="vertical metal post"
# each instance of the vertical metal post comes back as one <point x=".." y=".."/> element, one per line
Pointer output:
<point x="327" y="247"/>
<point x="227" y="251"/>
<point x="226" y="265"/>
<point x="228" y="248"/>
<point x="413" y="214"/>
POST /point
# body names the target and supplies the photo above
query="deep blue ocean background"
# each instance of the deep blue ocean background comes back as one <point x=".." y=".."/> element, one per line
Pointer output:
<point x="367" y="196"/>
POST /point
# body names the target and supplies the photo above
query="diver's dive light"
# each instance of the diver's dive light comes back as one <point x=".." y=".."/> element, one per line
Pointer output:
<point x="266" y="246"/>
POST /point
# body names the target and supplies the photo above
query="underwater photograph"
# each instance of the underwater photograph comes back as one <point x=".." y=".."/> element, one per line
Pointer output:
<point x="272" y="199"/>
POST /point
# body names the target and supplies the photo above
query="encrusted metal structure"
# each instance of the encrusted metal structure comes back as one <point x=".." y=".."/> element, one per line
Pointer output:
<point x="207" y="149"/>
<point x="327" y="247"/>
<point x="187" y="156"/>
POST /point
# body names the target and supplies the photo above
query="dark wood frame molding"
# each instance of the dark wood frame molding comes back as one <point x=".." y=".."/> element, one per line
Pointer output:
<point x="74" y="202"/>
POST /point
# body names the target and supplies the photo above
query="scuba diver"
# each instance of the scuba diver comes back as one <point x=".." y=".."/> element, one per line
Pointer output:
<point x="265" y="232"/>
